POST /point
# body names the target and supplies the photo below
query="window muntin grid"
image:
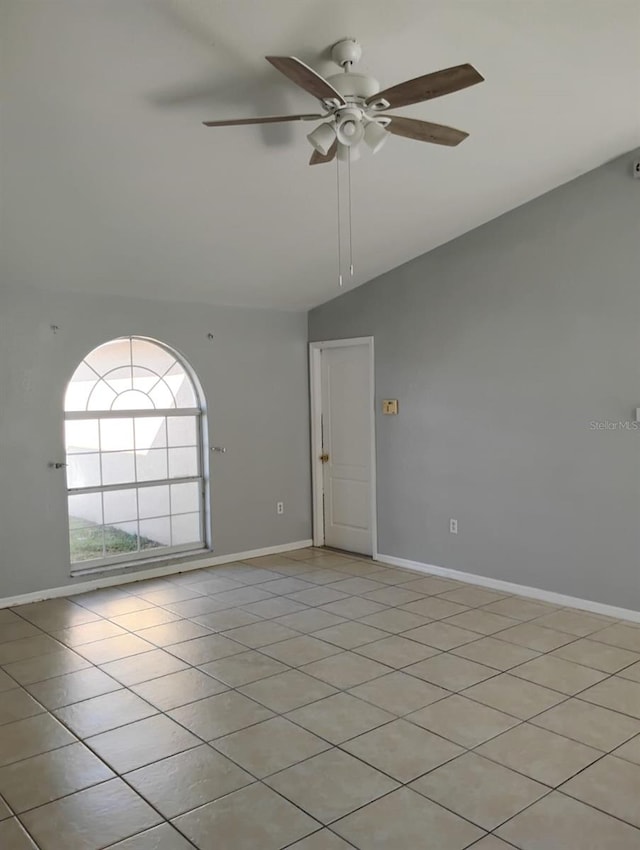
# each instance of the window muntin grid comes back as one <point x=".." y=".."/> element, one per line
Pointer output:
<point x="133" y="427"/>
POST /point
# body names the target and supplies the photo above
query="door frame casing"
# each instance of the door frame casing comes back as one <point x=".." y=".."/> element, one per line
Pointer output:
<point x="315" y="388"/>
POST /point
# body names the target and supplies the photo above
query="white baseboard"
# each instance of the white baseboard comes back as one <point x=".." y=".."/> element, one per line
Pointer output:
<point x="154" y="572"/>
<point x="517" y="589"/>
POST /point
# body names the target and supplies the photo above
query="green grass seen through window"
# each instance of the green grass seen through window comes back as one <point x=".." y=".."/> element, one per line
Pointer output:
<point x="86" y="540"/>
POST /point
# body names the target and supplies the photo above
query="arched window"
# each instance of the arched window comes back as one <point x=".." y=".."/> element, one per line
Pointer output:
<point x="133" y="432"/>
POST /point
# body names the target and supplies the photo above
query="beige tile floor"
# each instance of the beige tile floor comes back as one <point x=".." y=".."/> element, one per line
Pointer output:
<point x="316" y="701"/>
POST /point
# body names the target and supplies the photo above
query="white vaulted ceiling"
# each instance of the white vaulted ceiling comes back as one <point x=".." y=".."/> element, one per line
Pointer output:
<point x="111" y="184"/>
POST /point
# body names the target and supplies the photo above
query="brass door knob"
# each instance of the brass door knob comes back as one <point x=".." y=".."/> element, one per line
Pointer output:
<point x="324" y="458"/>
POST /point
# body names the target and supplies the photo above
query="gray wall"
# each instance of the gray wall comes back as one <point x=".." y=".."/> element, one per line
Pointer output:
<point x="254" y="376"/>
<point x="503" y="347"/>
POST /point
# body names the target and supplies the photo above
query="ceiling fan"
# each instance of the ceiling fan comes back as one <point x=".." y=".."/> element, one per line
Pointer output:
<point x="356" y="109"/>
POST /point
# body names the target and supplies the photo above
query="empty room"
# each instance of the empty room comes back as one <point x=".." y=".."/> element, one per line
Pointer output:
<point x="319" y="425"/>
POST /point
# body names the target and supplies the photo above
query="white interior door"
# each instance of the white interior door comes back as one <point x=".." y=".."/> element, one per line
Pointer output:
<point x="347" y="405"/>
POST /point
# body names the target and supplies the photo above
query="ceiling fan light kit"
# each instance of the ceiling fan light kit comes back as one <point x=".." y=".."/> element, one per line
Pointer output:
<point x="355" y="110"/>
<point x="322" y="138"/>
<point x="375" y="136"/>
<point x="349" y="126"/>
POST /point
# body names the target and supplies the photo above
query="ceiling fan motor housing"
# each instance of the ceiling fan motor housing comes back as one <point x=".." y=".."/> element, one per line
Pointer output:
<point x="354" y="87"/>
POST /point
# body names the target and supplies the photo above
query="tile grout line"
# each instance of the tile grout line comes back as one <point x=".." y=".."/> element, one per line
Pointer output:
<point x="340" y="650"/>
<point x="331" y="745"/>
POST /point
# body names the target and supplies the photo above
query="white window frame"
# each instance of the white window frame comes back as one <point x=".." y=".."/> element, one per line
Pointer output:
<point x="162" y="552"/>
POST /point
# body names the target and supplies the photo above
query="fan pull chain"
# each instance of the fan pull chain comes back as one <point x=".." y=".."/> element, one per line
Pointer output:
<point x="347" y="67"/>
<point x="340" y="282"/>
<point x="349" y="232"/>
<point x="350" y="216"/>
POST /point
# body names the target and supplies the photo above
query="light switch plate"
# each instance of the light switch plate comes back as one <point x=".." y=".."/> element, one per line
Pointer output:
<point x="390" y="406"/>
